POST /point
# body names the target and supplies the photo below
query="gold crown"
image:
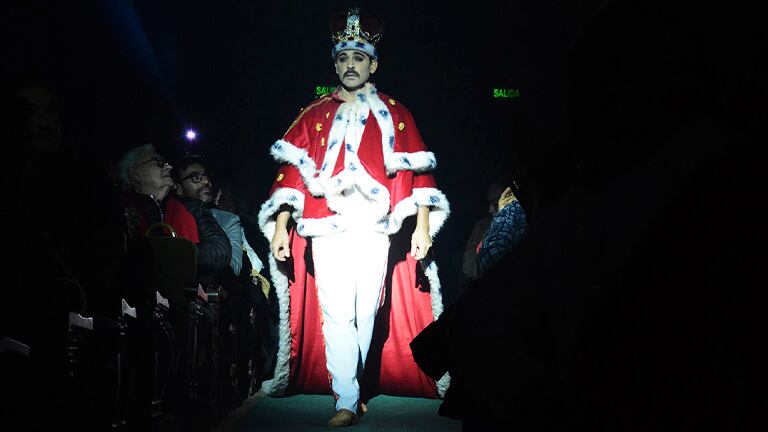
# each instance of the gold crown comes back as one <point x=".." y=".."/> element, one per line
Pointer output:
<point x="353" y="31"/>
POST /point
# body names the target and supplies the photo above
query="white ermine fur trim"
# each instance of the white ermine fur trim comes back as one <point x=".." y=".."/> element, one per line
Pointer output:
<point x="319" y="183"/>
<point x="356" y="46"/>
<point x="279" y="382"/>
<point x="336" y="139"/>
<point x="318" y="227"/>
<point x="422" y="161"/>
<point x="430" y="271"/>
<point x="440" y="207"/>
<point x="440" y="210"/>
<point x="374" y="194"/>
<point x="443" y="384"/>
<point x="285" y="152"/>
<point x="295" y="198"/>
<point x="266" y="218"/>
<point x="389" y="224"/>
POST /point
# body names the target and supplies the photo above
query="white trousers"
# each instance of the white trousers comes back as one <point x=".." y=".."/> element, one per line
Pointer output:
<point x="349" y="273"/>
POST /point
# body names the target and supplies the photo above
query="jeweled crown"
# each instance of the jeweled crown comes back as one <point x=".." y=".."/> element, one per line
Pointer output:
<point x="356" y="31"/>
<point x="353" y="31"/>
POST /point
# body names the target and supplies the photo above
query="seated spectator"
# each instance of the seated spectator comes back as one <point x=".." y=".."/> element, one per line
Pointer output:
<point x="261" y="335"/>
<point x="195" y="182"/>
<point x="146" y="181"/>
<point x="469" y="261"/>
<point x="42" y="286"/>
<point x="242" y="278"/>
<point x="494" y="235"/>
<point x="506" y="228"/>
<point x="147" y="178"/>
<point x="227" y="216"/>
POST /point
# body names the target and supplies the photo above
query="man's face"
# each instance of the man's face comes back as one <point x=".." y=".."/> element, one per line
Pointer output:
<point x="152" y="173"/>
<point x="354" y="68"/>
<point x="43" y="126"/>
<point x="194" y="182"/>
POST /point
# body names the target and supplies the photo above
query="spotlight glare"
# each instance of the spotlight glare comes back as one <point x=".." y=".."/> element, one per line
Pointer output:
<point x="191" y="134"/>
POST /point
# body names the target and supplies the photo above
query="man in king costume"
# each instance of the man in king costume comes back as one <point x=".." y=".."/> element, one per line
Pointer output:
<point x="353" y="288"/>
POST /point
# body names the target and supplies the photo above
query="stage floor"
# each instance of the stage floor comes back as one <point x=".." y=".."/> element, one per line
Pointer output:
<point x="311" y="412"/>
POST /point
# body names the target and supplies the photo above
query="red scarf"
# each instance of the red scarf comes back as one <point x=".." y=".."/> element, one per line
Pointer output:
<point x="182" y="221"/>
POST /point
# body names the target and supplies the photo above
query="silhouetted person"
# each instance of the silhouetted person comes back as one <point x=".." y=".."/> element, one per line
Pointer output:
<point x="506" y="228"/>
<point x="42" y="284"/>
<point x="469" y="271"/>
<point x="628" y="307"/>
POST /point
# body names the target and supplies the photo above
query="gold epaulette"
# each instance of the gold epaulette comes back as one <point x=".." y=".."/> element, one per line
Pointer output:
<point x="305" y="110"/>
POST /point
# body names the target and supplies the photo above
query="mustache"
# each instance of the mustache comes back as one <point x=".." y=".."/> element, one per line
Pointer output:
<point x="351" y="72"/>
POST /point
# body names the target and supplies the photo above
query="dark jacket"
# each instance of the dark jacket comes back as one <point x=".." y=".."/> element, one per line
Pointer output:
<point x="214" y="251"/>
<point x="213" y="248"/>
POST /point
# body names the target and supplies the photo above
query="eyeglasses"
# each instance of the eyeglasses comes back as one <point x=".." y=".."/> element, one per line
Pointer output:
<point x="197" y="177"/>
<point x="160" y="162"/>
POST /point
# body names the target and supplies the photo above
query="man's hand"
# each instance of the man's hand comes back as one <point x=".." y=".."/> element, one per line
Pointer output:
<point x="506" y="198"/>
<point x="420" y="243"/>
<point x="420" y="240"/>
<point x="280" y="243"/>
<point x="280" y="240"/>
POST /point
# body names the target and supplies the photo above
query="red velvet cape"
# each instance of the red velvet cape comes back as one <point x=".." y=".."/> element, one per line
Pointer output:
<point x="407" y="306"/>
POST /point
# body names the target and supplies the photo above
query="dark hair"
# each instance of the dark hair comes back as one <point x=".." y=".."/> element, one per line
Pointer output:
<point x="184" y="162"/>
<point x="230" y="199"/>
<point x="512" y="175"/>
<point x="498" y="185"/>
<point x="227" y="200"/>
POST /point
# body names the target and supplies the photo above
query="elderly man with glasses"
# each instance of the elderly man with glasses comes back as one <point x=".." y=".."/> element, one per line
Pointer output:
<point x="147" y="181"/>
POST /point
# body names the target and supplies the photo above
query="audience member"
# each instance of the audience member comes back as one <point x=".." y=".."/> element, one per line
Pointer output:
<point x="506" y="229"/>
<point x="253" y="311"/>
<point x="42" y="272"/>
<point x="469" y="261"/>
<point x="494" y="235"/>
<point x="195" y="182"/>
<point x="226" y="213"/>
<point x="148" y="179"/>
<point x="239" y="315"/>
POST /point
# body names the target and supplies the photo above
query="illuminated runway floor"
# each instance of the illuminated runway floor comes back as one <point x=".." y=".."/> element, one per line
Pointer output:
<point x="311" y="412"/>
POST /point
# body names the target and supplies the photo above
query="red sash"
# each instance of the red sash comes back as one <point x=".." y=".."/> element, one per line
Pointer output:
<point x="177" y="216"/>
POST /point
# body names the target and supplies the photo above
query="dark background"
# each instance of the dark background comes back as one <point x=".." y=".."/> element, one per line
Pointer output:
<point x="131" y="72"/>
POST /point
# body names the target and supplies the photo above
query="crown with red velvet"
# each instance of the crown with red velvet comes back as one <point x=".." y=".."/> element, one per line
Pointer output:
<point x="356" y="31"/>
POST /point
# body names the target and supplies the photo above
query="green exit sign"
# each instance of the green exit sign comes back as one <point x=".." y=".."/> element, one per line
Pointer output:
<point x="506" y="93"/>
<point x="324" y="90"/>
